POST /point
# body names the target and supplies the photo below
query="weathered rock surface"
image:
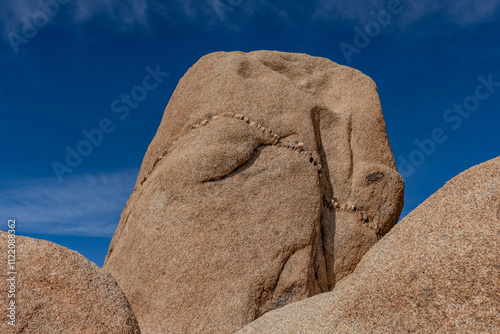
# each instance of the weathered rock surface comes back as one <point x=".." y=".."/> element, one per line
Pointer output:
<point x="437" y="271"/>
<point x="57" y="290"/>
<point x="269" y="177"/>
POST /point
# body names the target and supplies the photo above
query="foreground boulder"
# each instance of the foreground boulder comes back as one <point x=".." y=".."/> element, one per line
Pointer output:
<point x="437" y="271"/>
<point x="268" y="179"/>
<point x="57" y="290"/>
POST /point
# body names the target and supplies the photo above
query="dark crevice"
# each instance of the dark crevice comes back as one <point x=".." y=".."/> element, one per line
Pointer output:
<point x="327" y="217"/>
<point x="274" y="139"/>
<point x="349" y="141"/>
<point x="242" y="167"/>
<point x="288" y="135"/>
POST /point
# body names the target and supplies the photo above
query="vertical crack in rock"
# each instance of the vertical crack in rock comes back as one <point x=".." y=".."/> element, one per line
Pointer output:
<point x="234" y="220"/>
<point x="327" y="217"/>
<point x="349" y="141"/>
<point x="438" y="271"/>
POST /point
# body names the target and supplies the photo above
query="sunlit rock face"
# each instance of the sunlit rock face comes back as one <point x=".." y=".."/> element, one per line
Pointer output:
<point x="269" y="177"/>
<point x="437" y="271"/>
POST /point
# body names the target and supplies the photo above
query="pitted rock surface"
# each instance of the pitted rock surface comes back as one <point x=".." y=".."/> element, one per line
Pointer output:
<point x="268" y="179"/>
<point x="437" y="271"/>
<point x="57" y="290"/>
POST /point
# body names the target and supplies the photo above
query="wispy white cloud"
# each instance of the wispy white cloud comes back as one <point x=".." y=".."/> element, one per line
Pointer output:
<point x="12" y="13"/>
<point x="132" y="14"/>
<point x="81" y="205"/>
<point x="458" y="12"/>
<point x="123" y="14"/>
<point x="468" y="12"/>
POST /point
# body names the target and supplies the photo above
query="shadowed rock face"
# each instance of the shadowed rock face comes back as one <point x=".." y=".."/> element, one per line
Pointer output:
<point x="437" y="271"/>
<point x="268" y="179"/>
<point x="60" y="291"/>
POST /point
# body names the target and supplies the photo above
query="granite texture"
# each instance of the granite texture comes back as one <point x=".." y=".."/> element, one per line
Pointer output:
<point x="58" y="291"/>
<point x="437" y="271"/>
<point x="269" y="177"/>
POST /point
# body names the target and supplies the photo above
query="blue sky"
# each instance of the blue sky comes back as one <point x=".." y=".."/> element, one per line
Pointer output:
<point x="68" y="66"/>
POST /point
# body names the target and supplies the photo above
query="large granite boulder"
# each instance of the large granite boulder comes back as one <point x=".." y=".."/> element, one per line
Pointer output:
<point x="269" y="177"/>
<point x="437" y="271"/>
<point x="57" y="290"/>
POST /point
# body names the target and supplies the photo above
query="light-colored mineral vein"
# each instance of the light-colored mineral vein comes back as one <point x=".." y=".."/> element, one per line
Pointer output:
<point x="296" y="146"/>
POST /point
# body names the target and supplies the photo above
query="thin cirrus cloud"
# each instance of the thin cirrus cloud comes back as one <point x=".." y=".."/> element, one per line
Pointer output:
<point x="85" y="205"/>
<point x="128" y="13"/>
<point x="457" y="12"/>
<point x="131" y="14"/>
<point x="123" y="15"/>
